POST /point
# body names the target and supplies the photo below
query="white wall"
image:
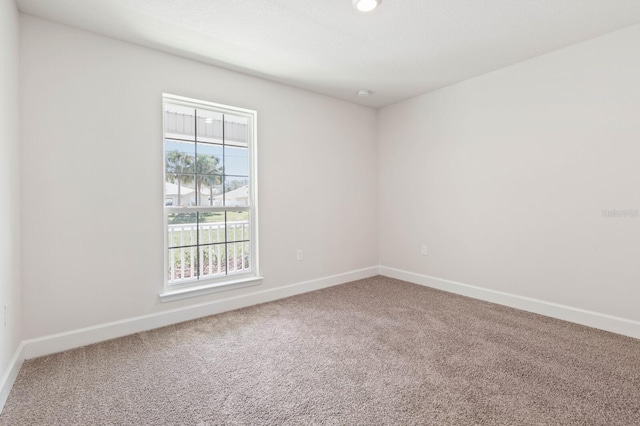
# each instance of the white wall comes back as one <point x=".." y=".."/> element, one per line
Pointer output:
<point x="505" y="177"/>
<point x="10" y="335"/>
<point x="92" y="176"/>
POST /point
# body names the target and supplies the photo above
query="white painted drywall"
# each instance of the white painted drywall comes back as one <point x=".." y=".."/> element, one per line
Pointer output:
<point x="10" y="335"/>
<point x="505" y="177"/>
<point x="92" y="176"/>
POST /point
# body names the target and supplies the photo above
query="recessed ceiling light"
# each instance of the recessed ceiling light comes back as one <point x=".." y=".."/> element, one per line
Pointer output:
<point x="208" y="120"/>
<point x="366" y="5"/>
<point x="364" y="93"/>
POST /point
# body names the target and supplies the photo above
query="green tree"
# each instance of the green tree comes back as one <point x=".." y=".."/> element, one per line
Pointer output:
<point x="179" y="166"/>
<point x="208" y="170"/>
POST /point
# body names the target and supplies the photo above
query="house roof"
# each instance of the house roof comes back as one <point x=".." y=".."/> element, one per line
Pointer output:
<point x="242" y="192"/>
<point x="172" y="189"/>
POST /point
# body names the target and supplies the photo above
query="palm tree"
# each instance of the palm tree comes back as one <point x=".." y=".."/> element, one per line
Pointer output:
<point x="208" y="170"/>
<point x="178" y="166"/>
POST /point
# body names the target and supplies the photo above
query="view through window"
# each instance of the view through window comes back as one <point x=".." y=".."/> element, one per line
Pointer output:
<point x="209" y="198"/>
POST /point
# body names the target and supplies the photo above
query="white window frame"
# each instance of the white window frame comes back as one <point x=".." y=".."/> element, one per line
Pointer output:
<point x="204" y="286"/>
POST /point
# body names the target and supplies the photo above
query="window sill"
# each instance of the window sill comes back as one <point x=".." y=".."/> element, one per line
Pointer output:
<point x="184" y="293"/>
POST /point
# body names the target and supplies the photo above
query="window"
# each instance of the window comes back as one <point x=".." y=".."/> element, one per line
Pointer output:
<point x="209" y="196"/>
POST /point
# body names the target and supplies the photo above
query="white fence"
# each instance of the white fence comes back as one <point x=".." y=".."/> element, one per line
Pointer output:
<point x="207" y="254"/>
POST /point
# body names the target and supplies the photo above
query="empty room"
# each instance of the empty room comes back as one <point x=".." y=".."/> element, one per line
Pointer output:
<point x="338" y="212"/>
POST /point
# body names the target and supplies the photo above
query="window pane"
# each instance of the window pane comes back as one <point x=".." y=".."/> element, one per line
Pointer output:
<point x="179" y="121"/>
<point x="212" y="227"/>
<point x="236" y="161"/>
<point x="209" y="161"/>
<point x="212" y="260"/>
<point x="179" y="157"/>
<point x="181" y="229"/>
<point x="238" y="255"/>
<point x="179" y="191"/>
<point x="236" y="191"/>
<point x="209" y="169"/>
<point x="209" y="126"/>
<point x="238" y="226"/>
<point x="210" y="190"/>
<point x="181" y="264"/>
<point x="182" y="146"/>
<point x="236" y="130"/>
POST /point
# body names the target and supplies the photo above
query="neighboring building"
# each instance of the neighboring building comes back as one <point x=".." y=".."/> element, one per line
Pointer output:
<point x="187" y="195"/>
<point x="236" y="197"/>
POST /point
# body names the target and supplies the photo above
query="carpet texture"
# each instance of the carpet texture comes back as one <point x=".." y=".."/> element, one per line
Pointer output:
<point x="372" y="352"/>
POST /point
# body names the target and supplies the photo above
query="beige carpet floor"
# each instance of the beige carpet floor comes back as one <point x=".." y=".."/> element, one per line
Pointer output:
<point x="372" y="352"/>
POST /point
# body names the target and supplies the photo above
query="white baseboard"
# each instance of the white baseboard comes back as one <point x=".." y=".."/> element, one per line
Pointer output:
<point x="593" y="319"/>
<point x="10" y="374"/>
<point x="85" y="336"/>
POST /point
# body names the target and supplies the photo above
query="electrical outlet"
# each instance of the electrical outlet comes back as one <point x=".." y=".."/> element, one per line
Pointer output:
<point x="299" y="255"/>
<point x="423" y="250"/>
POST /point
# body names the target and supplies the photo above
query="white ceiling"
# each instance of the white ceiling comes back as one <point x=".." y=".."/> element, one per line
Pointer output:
<point x="402" y="49"/>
